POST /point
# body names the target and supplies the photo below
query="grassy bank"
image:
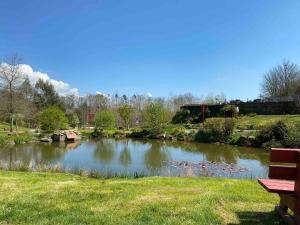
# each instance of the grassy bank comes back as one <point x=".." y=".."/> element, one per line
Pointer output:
<point x="257" y="122"/>
<point x="45" y="198"/>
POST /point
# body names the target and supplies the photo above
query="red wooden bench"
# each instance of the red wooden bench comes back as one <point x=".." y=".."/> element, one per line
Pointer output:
<point x="284" y="174"/>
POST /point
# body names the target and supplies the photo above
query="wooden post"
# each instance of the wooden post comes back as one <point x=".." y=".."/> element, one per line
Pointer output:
<point x="297" y="191"/>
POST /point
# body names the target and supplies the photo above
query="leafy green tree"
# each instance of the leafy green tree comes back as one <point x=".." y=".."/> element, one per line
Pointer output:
<point x="74" y="120"/>
<point x="105" y="119"/>
<point x="156" y="116"/>
<point x="125" y="112"/>
<point x="45" y="95"/>
<point x="52" y="119"/>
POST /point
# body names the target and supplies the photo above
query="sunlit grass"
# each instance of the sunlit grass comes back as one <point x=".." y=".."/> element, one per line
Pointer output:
<point x="257" y="122"/>
<point x="47" y="198"/>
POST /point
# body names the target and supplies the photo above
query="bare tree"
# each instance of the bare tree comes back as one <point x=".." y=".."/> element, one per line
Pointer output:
<point x="282" y="80"/>
<point x="183" y="99"/>
<point x="212" y="99"/>
<point x="10" y="79"/>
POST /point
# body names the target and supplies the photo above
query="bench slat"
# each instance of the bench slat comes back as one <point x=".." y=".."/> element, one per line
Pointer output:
<point x="283" y="172"/>
<point x="279" y="155"/>
<point x="278" y="186"/>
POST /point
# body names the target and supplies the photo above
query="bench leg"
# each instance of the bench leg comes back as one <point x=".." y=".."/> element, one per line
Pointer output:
<point x="283" y="204"/>
<point x="297" y="212"/>
<point x="288" y="202"/>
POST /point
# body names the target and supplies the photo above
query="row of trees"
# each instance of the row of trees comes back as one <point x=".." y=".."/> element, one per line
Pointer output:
<point x="23" y="101"/>
<point x="155" y="117"/>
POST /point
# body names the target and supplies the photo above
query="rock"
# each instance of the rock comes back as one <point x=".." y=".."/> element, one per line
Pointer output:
<point x="46" y="139"/>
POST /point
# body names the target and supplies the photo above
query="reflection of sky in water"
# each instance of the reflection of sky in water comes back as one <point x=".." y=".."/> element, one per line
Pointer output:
<point x="129" y="156"/>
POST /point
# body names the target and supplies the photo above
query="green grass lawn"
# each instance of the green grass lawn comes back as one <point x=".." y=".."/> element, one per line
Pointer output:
<point x="256" y="122"/>
<point x="7" y="127"/>
<point x="48" y="198"/>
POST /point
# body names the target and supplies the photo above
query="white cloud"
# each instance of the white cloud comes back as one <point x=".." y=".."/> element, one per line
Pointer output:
<point x="61" y="87"/>
<point x="148" y="94"/>
<point x="103" y="94"/>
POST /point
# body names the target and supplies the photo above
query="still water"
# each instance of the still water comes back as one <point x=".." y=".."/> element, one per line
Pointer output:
<point x="150" y="157"/>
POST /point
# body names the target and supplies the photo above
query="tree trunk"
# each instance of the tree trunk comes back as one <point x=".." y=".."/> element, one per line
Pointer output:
<point x="11" y="124"/>
<point x="17" y="127"/>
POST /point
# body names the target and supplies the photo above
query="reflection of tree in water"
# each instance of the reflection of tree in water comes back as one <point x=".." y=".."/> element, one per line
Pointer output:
<point x="52" y="152"/>
<point x="125" y="156"/>
<point x="156" y="156"/>
<point x="228" y="154"/>
<point x="223" y="153"/>
<point x="36" y="153"/>
<point x="104" y="151"/>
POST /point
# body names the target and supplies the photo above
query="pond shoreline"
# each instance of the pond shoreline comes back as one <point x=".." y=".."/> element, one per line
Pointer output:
<point x="112" y="157"/>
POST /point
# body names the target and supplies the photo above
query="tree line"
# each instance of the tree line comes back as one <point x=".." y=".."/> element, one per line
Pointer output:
<point x="22" y="102"/>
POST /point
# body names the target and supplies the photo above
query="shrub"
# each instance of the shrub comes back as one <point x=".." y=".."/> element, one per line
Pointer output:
<point x="280" y="130"/>
<point x="105" y="119"/>
<point x="3" y="141"/>
<point x="277" y="131"/>
<point x="125" y="112"/>
<point x="156" y="116"/>
<point x="216" y="130"/>
<point x="179" y="133"/>
<point x="265" y="135"/>
<point x="292" y="138"/>
<point x="21" y="139"/>
<point x="230" y="110"/>
<point x="74" y="120"/>
<point x="181" y="116"/>
<point x="52" y="119"/>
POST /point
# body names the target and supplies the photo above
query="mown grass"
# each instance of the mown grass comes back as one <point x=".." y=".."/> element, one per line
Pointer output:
<point x="257" y="122"/>
<point x="47" y="198"/>
<point x="6" y="126"/>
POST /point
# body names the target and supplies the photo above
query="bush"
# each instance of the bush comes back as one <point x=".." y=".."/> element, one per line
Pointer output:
<point x="230" y="110"/>
<point x="74" y="120"/>
<point x="21" y="139"/>
<point x="125" y="112"/>
<point x="216" y="130"/>
<point x="52" y="119"/>
<point x="156" y="116"/>
<point x="179" y="133"/>
<point x="138" y="133"/>
<point x="105" y="119"/>
<point x="3" y="141"/>
<point x="181" y="116"/>
<point x="280" y="130"/>
<point x="252" y="114"/>
<point x="277" y="131"/>
<point x="292" y="138"/>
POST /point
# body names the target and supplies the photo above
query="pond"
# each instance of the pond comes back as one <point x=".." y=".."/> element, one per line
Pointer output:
<point x="150" y="157"/>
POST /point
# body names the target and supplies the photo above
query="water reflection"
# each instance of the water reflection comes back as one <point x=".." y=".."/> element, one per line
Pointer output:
<point x="105" y="150"/>
<point x="156" y="156"/>
<point x="135" y="155"/>
<point x="125" y="156"/>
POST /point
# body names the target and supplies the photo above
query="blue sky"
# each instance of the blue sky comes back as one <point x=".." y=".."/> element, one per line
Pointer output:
<point x="162" y="47"/>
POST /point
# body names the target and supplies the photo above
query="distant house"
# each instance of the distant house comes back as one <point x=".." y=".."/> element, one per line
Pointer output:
<point x="91" y="118"/>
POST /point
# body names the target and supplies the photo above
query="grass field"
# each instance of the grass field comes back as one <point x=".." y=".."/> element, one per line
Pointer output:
<point x="256" y="122"/>
<point x="7" y="127"/>
<point x="47" y="198"/>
